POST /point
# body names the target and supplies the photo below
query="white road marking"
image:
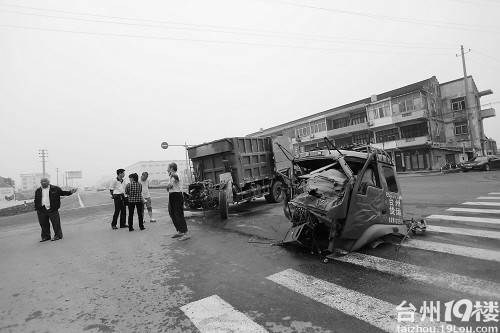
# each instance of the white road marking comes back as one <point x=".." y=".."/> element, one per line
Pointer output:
<point x="488" y="198"/>
<point x="495" y="193"/>
<point x="464" y="251"/>
<point x="213" y="314"/>
<point x="80" y="200"/>
<point x="475" y="210"/>
<point x="463" y="219"/>
<point x="376" y="312"/>
<point x="423" y="274"/>
<point x="481" y="203"/>
<point x="466" y="232"/>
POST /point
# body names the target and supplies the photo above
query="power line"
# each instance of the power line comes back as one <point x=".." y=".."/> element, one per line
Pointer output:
<point x="212" y="41"/>
<point x="487" y="56"/>
<point x="478" y="3"/>
<point x="220" y="27"/>
<point x="448" y="25"/>
<point x="208" y="30"/>
<point x="480" y="63"/>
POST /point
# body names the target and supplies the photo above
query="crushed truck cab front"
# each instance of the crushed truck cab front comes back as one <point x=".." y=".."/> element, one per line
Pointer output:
<point x="343" y="199"/>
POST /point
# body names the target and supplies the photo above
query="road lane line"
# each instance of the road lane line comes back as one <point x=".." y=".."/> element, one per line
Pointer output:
<point x="464" y="251"/>
<point x="463" y="219"/>
<point x="80" y="200"/>
<point x="495" y="193"/>
<point x="488" y="198"/>
<point x="475" y="210"/>
<point x="376" y="312"/>
<point x="481" y="203"/>
<point x="213" y="314"/>
<point x="466" y="232"/>
<point x="423" y="274"/>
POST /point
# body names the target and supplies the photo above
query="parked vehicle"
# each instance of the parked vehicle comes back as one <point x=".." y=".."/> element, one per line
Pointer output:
<point x="485" y="163"/>
<point x="343" y="199"/>
<point x="233" y="170"/>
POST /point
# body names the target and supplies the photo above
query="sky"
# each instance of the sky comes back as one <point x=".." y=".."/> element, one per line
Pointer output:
<point x="101" y="84"/>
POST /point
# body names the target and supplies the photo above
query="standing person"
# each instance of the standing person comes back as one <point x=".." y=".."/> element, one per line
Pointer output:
<point x="146" y="196"/>
<point x="47" y="204"/>
<point x="134" y="192"/>
<point x="117" y="190"/>
<point x="176" y="204"/>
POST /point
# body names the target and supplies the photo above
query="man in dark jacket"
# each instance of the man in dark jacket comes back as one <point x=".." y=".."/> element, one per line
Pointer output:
<point x="47" y="204"/>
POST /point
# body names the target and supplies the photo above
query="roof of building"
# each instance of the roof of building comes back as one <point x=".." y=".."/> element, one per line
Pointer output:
<point x="392" y="93"/>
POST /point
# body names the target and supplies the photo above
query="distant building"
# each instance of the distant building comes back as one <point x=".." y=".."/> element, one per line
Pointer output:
<point x="31" y="181"/>
<point x="422" y="125"/>
<point x="157" y="170"/>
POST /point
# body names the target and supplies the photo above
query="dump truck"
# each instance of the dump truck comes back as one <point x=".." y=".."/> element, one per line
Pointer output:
<point x="236" y="169"/>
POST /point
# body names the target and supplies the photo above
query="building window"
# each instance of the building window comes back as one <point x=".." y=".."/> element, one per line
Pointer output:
<point x="413" y="131"/>
<point x="408" y="102"/>
<point x="458" y="104"/>
<point x="341" y="122"/>
<point x="358" y="118"/>
<point x="343" y="142"/>
<point x="362" y="138"/>
<point x="379" y="110"/>
<point x="461" y="128"/>
<point x="387" y="135"/>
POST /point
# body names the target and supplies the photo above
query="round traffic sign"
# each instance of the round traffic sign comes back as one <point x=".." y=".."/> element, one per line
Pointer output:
<point x="164" y="145"/>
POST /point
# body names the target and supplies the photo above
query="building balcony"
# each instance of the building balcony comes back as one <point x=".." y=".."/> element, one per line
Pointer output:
<point x="348" y="129"/>
<point x="487" y="113"/>
<point x="310" y="137"/>
<point x="402" y="143"/>
<point x="410" y="115"/>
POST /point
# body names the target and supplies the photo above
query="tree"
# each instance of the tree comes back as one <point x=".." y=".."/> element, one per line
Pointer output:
<point x="8" y="181"/>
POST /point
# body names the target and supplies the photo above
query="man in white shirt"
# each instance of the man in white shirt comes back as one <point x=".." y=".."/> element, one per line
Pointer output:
<point x="47" y="204"/>
<point x="146" y="195"/>
<point x="117" y="190"/>
<point x="176" y="203"/>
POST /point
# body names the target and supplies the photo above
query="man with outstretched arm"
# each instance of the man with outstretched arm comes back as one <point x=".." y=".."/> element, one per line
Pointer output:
<point x="47" y="204"/>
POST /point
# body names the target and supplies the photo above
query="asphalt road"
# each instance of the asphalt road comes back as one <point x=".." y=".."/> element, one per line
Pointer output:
<point x="222" y="279"/>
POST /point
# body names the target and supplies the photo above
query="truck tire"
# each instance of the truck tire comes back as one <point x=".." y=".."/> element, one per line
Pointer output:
<point x="276" y="192"/>
<point x="223" y="206"/>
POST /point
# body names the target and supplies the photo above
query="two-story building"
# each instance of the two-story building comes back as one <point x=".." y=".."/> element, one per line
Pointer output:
<point x="416" y="124"/>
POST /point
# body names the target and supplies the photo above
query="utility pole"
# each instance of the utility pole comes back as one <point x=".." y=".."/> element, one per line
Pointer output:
<point x="43" y="153"/>
<point x="466" y="100"/>
<point x="57" y="172"/>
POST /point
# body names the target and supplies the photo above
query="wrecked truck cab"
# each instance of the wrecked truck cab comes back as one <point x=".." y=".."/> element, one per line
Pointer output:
<point x="343" y="199"/>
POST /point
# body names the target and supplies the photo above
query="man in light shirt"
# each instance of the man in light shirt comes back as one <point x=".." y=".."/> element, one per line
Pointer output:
<point x="47" y="204"/>
<point x="146" y="195"/>
<point x="176" y="203"/>
<point x="117" y="190"/>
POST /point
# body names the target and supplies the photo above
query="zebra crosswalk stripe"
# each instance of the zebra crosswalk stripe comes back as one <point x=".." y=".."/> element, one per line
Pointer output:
<point x="213" y="314"/>
<point x="376" y="312"/>
<point x="423" y="274"/>
<point x="494" y="193"/>
<point x="465" y="232"/>
<point x="488" y="198"/>
<point x="481" y="203"/>
<point x="464" y="251"/>
<point x="474" y="210"/>
<point x="464" y="219"/>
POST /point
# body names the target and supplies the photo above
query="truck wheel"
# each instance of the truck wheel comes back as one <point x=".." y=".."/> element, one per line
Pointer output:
<point x="223" y="205"/>
<point x="276" y="192"/>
